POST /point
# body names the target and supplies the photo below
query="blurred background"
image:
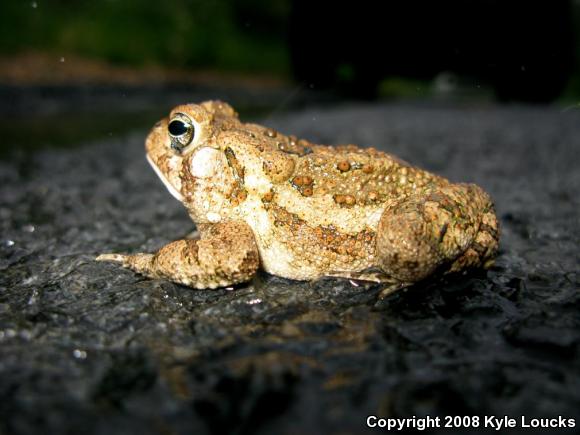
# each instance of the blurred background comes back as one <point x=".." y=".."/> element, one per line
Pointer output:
<point x="75" y="70"/>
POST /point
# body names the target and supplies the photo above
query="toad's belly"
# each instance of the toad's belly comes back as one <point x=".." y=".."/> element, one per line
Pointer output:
<point x="297" y="258"/>
<point x="278" y="260"/>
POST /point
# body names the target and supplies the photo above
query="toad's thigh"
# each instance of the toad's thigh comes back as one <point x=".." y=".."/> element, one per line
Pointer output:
<point x="420" y="233"/>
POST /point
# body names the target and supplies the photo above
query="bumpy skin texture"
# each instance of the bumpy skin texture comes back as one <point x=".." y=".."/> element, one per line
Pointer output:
<point x="303" y="211"/>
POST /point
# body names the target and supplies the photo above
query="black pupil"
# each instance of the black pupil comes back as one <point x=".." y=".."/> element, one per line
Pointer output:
<point x="177" y="128"/>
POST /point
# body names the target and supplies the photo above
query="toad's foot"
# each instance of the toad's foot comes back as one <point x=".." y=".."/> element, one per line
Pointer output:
<point x="368" y="275"/>
<point x="392" y="288"/>
<point x="452" y="226"/>
<point x="388" y="283"/>
<point x="225" y="255"/>
<point x="115" y="258"/>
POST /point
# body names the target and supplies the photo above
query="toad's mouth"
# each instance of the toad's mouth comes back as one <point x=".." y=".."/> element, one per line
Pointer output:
<point x="166" y="182"/>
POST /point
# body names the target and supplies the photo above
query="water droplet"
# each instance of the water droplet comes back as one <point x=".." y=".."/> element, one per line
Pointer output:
<point x="61" y="60"/>
<point x="9" y="243"/>
<point x="28" y="228"/>
<point x="79" y="354"/>
<point x="254" y="301"/>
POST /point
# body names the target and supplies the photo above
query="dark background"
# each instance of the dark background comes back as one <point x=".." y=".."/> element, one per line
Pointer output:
<point x="481" y="91"/>
<point x="71" y="70"/>
<point x="534" y="42"/>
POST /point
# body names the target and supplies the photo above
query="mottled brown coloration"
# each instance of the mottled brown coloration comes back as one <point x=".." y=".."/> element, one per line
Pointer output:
<point x="420" y="234"/>
<point x="235" y="165"/>
<point x="306" y="210"/>
<point x="201" y="263"/>
<point x="335" y="250"/>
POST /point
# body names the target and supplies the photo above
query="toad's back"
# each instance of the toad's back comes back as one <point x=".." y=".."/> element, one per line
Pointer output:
<point x="351" y="175"/>
<point x="362" y="176"/>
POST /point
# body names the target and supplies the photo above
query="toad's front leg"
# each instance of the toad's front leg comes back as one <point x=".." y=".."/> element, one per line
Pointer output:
<point x="453" y="226"/>
<point x="225" y="255"/>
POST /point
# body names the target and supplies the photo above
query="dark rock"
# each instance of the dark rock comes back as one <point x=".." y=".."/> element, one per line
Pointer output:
<point x="88" y="347"/>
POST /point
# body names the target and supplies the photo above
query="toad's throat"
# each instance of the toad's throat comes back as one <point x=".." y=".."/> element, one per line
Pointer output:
<point x="166" y="182"/>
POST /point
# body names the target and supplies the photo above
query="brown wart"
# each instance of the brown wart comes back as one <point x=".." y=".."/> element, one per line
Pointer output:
<point x="345" y="200"/>
<point x="304" y="184"/>
<point x="307" y="191"/>
<point x="343" y="166"/>
<point x="268" y="196"/>
<point x="277" y="166"/>
<point x="237" y="196"/>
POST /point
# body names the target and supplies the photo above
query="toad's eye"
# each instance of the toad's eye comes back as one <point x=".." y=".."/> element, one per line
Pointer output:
<point x="181" y="131"/>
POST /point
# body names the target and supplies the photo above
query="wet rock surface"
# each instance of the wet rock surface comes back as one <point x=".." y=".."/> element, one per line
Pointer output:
<point x="89" y="348"/>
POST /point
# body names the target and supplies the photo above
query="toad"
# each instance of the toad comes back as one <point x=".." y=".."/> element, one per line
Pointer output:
<point x="302" y="211"/>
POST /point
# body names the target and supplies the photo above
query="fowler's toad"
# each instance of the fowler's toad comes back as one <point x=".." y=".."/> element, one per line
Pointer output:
<point x="303" y="211"/>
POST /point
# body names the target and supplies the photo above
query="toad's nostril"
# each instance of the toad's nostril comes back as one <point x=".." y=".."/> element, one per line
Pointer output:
<point x="177" y="127"/>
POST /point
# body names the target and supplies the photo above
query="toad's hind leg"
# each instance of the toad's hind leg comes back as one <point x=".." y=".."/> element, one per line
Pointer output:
<point x="453" y="226"/>
<point x="225" y="255"/>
